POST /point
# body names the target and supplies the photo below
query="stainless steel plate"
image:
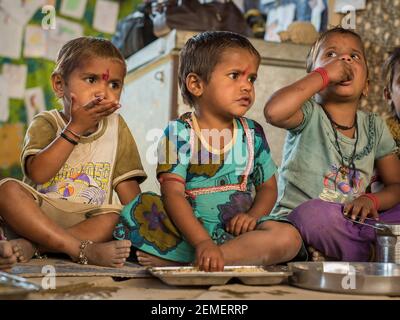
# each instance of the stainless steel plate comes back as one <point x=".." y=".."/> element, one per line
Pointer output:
<point x="12" y="286"/>
<point x="251" y="275"/>
<point x="347" y="277"/>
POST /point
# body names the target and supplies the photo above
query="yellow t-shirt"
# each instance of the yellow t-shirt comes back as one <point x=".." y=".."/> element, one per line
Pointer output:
<point x="96" y="165"/>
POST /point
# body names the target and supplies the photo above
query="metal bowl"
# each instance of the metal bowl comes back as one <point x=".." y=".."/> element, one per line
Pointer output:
<point x="347" y="277"/>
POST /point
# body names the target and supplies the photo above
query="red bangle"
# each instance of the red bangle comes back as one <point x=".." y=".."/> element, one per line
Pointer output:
<point x="161" y="180"/>
<point x="374" y="199"/>
<point x="324" y="75"/>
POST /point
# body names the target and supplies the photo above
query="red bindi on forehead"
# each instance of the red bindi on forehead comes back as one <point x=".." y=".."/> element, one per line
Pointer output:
<point x="106" y="76"/>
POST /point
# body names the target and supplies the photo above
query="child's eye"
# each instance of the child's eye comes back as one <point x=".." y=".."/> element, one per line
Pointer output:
<point x="331" y="54"/>
<point x="253" y="79"/>
<point x="355" y="56"/>
<point x="90" y="79"/>
<point x="234" y="75"/>
<point x="115" y="85"/>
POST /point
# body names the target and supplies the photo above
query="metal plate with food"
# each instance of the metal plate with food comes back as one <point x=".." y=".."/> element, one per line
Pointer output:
<point x="192" y="276"/>
<point x="369" y="278"/>
<point x="15" y="287"/>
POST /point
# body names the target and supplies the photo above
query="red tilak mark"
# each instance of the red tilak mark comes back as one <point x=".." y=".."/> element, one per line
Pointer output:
<point x="106" y="76"/>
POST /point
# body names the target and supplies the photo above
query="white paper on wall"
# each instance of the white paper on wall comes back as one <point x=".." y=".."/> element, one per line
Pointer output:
<point x="11" y="35"/>
<point x="34" y="102"/>
<point x="343" y="5"/>
<point x="106" y="16"/>
<point x="22" y="10"/>
<point x="65" y="30"/>
<point x="279" y="20"/>
<point x="73" y="8"/>
<point x="35" y="45"/>
<point x="4" y="106"/>
<point x="15" y="76"/>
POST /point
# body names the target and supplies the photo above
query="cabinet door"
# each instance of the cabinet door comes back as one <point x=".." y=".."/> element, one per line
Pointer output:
<point x="146" y="107"/>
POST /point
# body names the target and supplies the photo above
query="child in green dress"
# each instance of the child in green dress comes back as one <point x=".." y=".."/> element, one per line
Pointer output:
<point x="209" y="162"/>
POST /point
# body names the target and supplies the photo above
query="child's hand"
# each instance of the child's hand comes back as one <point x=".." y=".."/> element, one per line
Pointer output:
<point x="87" y="116"/>
<point x="363" y="207"/>
<point x="209" y="256"/>
<point x="241" y="223"/>
<point x="338" y="71"/>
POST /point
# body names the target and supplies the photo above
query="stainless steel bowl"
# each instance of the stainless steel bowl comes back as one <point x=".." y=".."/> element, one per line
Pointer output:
<point x="347" y="277"/>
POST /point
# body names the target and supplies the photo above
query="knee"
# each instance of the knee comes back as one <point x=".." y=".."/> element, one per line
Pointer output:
<point x="291" y="242"/>
<point x="315" y="214"/>
<point x="10" y="189"/>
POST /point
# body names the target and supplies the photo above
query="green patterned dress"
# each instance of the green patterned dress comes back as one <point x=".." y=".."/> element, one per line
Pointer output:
<point x="218" y="186"/>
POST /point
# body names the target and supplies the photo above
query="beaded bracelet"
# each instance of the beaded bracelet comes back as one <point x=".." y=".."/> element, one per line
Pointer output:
<point x="374" y="199"/>
<point x="63" y="135"/>
<point x="324" y="75"/>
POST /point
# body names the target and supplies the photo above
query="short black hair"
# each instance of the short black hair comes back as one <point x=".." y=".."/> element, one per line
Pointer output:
<point x="202" y="53"/>
<point x="76" y="51"/>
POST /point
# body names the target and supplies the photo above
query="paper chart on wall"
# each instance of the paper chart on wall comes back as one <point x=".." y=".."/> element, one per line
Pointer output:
<point x="35" y="42"/>
<point x="34" y="102"/>
<point x="21" y="10"/>
<point x="73" y="8"/>
<point x="344" y="6"/>
<point x="15" y="76"/>
<point x="65" y="31"/>
<point x="4" y="105"/>
<point x="279" y="20"/>
<point x="106" y="16"/>
<point x="11" y="34"/>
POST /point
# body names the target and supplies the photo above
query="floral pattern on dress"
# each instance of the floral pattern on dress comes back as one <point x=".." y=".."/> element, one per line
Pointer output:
<point x="239" y="202"/>
<point x="153" y="224"/>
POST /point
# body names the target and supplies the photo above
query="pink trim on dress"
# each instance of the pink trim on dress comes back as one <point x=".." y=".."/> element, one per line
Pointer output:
<point x="240" y="187"/>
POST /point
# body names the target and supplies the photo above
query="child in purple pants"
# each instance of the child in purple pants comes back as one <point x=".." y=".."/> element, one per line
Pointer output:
<point x="331" y="152"/>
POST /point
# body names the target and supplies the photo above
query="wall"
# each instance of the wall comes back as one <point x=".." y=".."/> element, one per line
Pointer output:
<point x="39" y="70"/>
<point x="379" y="26"/>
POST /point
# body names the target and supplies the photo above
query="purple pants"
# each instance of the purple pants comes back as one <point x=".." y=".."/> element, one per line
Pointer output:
<point x="323" y="226"/>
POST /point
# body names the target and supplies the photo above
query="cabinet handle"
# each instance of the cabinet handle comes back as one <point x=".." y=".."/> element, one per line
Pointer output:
<point x="159" y="75"/>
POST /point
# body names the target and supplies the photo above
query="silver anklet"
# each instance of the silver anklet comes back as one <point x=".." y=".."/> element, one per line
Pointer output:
<point x="82" y="259"/>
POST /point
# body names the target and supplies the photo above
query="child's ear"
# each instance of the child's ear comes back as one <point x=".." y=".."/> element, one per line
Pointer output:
<point x="387" y="94"/>
<point x="194" y="84"/>
<point x="366" y="89"/>
<point x="57" y="83"/>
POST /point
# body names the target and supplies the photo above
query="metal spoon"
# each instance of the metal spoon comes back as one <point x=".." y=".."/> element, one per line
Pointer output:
<point x="384" y="229"/>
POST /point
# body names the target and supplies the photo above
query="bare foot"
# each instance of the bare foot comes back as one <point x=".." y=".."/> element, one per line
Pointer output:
<point x="316" y="256"/>
<point x="23" y="249"/>
<point x="7" y="256"/>
<point x="109" y="254"/>
<point x="149" y="260"/>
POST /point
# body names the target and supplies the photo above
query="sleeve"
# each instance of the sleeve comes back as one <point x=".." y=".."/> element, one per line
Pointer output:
<point x="128" y="164"/>
<point x="264" y="166"/>
<point x="307" y="108"/>
<point x="41" y="132"/>
<point x="174" y="149"/>
<point x="385" y="143"/>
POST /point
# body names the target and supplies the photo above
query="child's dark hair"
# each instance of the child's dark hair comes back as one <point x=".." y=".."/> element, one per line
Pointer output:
<point x="202" y="53"/>
<point x="314" y="51"/>
<point x="76" y="51"/>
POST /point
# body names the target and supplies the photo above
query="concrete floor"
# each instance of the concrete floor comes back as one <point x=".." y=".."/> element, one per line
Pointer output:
<point x="100" y="288"/>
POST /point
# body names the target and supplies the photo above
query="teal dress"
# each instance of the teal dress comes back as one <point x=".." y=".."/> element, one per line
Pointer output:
<point x="219" y="185"/>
